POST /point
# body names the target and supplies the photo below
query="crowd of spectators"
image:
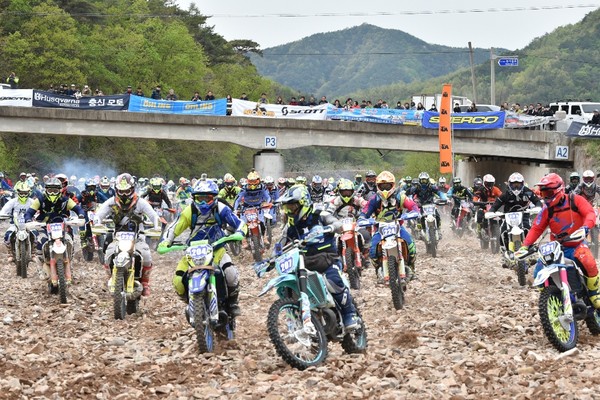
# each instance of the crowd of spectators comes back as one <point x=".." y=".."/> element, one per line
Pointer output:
<point x="533" y="110"/>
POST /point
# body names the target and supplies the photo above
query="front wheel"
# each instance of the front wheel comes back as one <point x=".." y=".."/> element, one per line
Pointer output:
<point x="352" y="271"/>
<point x="204" y="333"/>
<point x="494" y="244"/>
<point x="119" y="301"/>
<point x="395" y="286"/>
<point x="24" y="255"/>
<point x="255" y="247"/>
<point x="432" y="242"/>
<point x="551" y="309"/>
<point x="522" y="268"/>
<point x="235" y="247"/>
<point x="594" y="242"/>
<point x="62" y="281"/>
<point x="297" y="348"/>
<point x="269" y="232"/>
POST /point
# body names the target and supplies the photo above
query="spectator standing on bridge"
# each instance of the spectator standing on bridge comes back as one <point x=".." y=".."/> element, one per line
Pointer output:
<point x="293" y="101"/>
<point x="595" y="118"/>
<point x="337" y="104"/>
<point x="196" y="97"/>
<point x="171" y="96"/>
<point x="71" y="91"/>
<point x="302" y="101"/>
<point x="456" y="108"/>
<point x="86" y="92"/>
<point x="13" y="80"/>
<point x="312" y="101"/>
<point x="139" y="92"/>
<point x="244" y="96"/>
<point x="129" y="90"/>
<point x="420" y="106"/>
<point x="472" y="107"/>
<point x="433" y="108"/>
<point x="229" y="101"/>
<point x="323" y="100"/>
<point x="263" y="98"/>
<point x="209" y="95"/>
<point x="156" y="93"/>
<point x="279" y="100"/>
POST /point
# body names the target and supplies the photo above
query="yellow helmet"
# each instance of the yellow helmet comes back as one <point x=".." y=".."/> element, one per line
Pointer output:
<point x="253" y="180"/>
<point x="23" y="191"/>
<point x="386" y="184"/>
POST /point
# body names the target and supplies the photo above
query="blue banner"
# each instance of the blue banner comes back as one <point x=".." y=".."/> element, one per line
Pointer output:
<point x="209" y="107"/>
<point x="469" y="120"/>
<point x="378" y="115"/>
<point x="48" y="99"/>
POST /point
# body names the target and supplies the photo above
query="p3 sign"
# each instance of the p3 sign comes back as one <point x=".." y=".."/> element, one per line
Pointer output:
<point x="270" y="142"/>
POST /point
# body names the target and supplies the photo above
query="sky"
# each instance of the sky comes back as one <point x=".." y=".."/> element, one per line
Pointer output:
<point x="513" y="25"/>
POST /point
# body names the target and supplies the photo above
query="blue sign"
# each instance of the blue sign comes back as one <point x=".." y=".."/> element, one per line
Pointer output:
<point x="468" y="120"/>
<point x="209" y="107"/>
<point x="508" y="62"/>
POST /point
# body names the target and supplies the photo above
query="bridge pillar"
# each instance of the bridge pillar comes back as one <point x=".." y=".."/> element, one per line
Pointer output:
<point x="501" y="168"/>
<point x="269" y="162"/>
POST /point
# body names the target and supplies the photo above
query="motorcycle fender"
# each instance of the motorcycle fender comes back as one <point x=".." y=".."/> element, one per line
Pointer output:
<point x="544" y="274"/>
<point x="122" y="259"/>
<point x="197" y="283"/>
<point x="280" y="281"/>
<point x="346" y="236"/>
<point x="389" y="243"/>
<point x="268" y="216"/>
<point x="22" y="235"/>
<point x="430" y="218"/>
<point x="59" y="247"/>
<point x="516" y="231"/>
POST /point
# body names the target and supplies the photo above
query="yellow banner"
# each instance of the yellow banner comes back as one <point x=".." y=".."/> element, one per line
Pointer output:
<point x="445" y="133"/>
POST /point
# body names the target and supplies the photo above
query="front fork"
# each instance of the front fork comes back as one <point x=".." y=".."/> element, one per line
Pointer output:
<point x="308" y="326"/>
<point x="399" y="259"/>
<point x="67" y="262"/>
<point x="567" y="318"/>
<point x="355" y="248"/>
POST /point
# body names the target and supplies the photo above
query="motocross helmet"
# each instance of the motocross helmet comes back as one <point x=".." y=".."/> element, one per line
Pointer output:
<point x="90" y="187"/>
<point x="317" y="182"/>
<point x="478" y="184"/>
<point x="23" y="191"/>
<point x="301" y="180"/>
<point x="296" y="203"/>
<point x="516" y="182"/>
<point x="281" y="182"/>
<point x="253" y="180"/>
<point x="424" y="180"/>
<point x="22" y="176"/>
<point x="552" y="189"/>
<point x="269" y="182"/>
<point x="588" y="178"/>
<point x="291" y="181"/>
<point x="156" y="185"/>
<point x="229" y="180"/>
<point x="386" y="184"/>
<point x="456" y="182"/>
<point x="574" y="179"/>
<point x="205" y="195"/>
<point x="125" y="192"/>
<point x="243" y="182"/>
<point x="358" y="178"/>
<point x="64" y="181"/>
<point x="1" y="175"/>
<point x="73" y="180"/>
<point x="489" y="181"/>
<point x="442" y="180"/>
<point x="371" y="178"/>
<point x="104" y="183"/>
<point x="346" y="190"/>
<point x="52" y="190"/>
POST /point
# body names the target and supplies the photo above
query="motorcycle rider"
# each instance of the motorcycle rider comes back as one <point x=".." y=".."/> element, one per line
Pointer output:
<point x="105" y="192"/>
<point x="127" y="211"/>
<point x="53" y="205"/>
<point x="282" y="186"/>
<point x="183" y="194"/>
<point x="564" y="214"/>
<point x="588" y="188"/>
<point x="88" y="201"/>
<point x="444" y="187"/>
<point x="516" y="197"/>
<point x="302" y="219"/>
<point x="458" y="192"/>
<point x="274" y="193"/>
<point x="484" y="191"/>
<point x="316" y="189"/>
<point x="357" y="181"/>
<point x="254" y="194"/>
<point x="204" y="217"/>
<point x="4" y="185"/>
<point x="387" y="205"/>
<point x="230" y="190"/>
<point x="20" y="205"/>
<point x="574" y="181"/>
<point x="426" y="193"/>
<point x="69" y="191"/>
<point x="369" y="187"/>
<point x="156" y="194"/>
<point x="300" y="180"/>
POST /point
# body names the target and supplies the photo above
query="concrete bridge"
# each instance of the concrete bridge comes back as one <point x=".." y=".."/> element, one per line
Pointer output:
<point x="498" y="151"/>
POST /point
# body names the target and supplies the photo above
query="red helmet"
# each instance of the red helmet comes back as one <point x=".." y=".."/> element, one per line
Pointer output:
<point x="552" y="189"/>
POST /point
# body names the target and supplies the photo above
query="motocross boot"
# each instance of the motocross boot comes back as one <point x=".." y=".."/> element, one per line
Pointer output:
<point x="233" y="293"/>
<point x="593" y="283"/>
<point x="344" y="300"/>
<point x="378" y="270"/>
<point x="146" y="270"/>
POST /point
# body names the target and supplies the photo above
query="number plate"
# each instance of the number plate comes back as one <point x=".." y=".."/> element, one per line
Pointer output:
<point x="548" y="248"/>
<point x="251" y="216"/>
<point x="125" y="235"/>
<point x="55" y="227"/>
<point x="286" y="264"/>
<point x="387" y="229"/>
<point x="514" y="218"/>
<point x="429" y="209"/>
<point x="199" y="252"/>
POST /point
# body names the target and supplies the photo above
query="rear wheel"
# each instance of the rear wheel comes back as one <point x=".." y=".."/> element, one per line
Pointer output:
<point x="62" y="281"/>
<point x="593" y="322"/>
<point x="256" y="254"/>
<point x="550" y="310"/>
<point x="432" y="242"/>
<point x="352" y="271"/>
<point x="119" y="302"/>
<point x="522" y="268"/>
<point x="88" y="253"/>
<point x="395" y="286"/>
<point x="269" y="232"/>
<point x="494" y="244"/>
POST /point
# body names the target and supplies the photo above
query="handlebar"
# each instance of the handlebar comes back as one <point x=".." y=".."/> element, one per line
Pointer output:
<point x="177" y="246"/>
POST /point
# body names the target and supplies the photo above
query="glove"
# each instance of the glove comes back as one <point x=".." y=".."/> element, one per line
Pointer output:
<point x="587" y="230"/>
<point x="277" y="249"/>
<point x="165" y="243"/>
<point x="522" y="252"/>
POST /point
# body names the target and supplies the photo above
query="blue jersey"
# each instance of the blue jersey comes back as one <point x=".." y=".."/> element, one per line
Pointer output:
<point x="252" y="197"/>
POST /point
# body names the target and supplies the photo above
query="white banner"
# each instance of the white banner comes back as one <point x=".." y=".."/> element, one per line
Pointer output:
<point x="16" y="97"/>
<point x="243" y="108"/>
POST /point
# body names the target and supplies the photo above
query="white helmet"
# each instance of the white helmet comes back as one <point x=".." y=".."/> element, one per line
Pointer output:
<point x="489" y="181"/>
<point x="588" y="178"/>
<point x="442" y="180"/>
<point x="516" y="183"/>
<point x="73" y="180"/>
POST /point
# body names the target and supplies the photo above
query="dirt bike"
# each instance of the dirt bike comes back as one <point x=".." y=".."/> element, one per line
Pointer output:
<point x="349" y="244"/>
<point x="490" y="234"/>
<point x="305" y="317"/>
<point x="564" y="296"/>
<point x="206" y="290"/>
<point x="516" y="235"/>
<point x="94" y="244"/>
<point x="5" y="196"/>
<point x="163" y="215"/>
<point x="58" y="250"/>
<point x="464" y="215"/>
<point x="255" y="229"/>
<point x="429" y="227"/>
<point x="22" y="241"/>
<point x="125" y="264"/>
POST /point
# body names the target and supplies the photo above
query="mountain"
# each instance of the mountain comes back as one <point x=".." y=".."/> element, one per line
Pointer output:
<point x="362" y="57"/>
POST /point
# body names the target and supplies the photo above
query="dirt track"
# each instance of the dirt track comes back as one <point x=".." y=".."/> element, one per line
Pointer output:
<point x="467" y="331"/>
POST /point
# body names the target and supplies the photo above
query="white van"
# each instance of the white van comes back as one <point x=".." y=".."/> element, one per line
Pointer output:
<point x="579" y="111"/>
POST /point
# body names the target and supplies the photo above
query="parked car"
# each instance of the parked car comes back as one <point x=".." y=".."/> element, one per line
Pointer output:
<point x="481" y="108"/>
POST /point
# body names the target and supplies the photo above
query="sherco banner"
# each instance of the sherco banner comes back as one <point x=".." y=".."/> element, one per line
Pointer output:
<point x="514" y="120"/>
<point x="209" y="107"/>
<point x="16" y="97"/>
<point x="378" y="115"/>
<point x="47" y="99"/>
<point x="243" y="108"/>
<point x="579" y="129"/>
<point x="472" y="120"/>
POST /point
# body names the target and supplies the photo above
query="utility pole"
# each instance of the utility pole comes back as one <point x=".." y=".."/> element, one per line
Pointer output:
<point x="472" y="73"/>
<point x="492" y="77"/>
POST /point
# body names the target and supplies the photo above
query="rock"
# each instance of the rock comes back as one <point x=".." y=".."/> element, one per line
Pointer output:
<point x="37" y="349"/>
<point x="573" y="352"/>
<point x="8" y="320"/>
<point x="525" y="370"/>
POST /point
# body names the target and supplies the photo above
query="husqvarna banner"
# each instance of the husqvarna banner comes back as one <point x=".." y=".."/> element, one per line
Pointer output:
<point x="47" y="99"/>
<point x="16" y="97"/>
<point x="209" y="107"/>
<point x="244" y="108"/>
<point x="578" y="129"/>
<point x="469" y="120"/>
<point x="377" y="115"/>
<point x="445" y="131"/>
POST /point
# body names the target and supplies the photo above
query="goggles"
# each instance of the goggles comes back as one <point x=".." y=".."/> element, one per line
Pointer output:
<point x="588" y="179"/>
<point x="516" y="185"/>
<point x="371" y="179"/>
<point x="385" y="186"/>
<point x="547" y="193"/>
<point x="229" y="184"/>
<point x="204" y="198"/>
<point x="291" y="208"/>
<point x="125" y="192"/>
<point x="52" y="190"/>
<point x="346" y="193"/>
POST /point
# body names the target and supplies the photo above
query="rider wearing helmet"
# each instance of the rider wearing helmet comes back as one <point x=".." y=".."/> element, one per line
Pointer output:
<point x="274" y="193"/>
<point x="322" y="256"/>
<point x="458" y="193"/>
<point x="52" y="206"/>
<point x="156" y="195"/>
<point x="444" y="187"/>
<point x="357" y="181"/>
<point x="88" y="201"/>
<point x="516" y="198"/>
<point x="69" y="191"/>
<point x="230" y="189"/>
<point x="300" y="180"/>
<point x="564" y="214"/>
<point x="127" y="210"/>
<point x="105" y="192"/>
<point x="282" y="186"/>
<point x="4" y="183"/>
<point x="254" y="195"/>
<point x="588" y="188"/>
<point x="316" y="189"/>
<point x="485" y="193"/>
<point x="204" y="218"/>
<point x="574" y="181"/>
<point x="183" y="192"/>
<point x="369" y="187"/>
<point x="17" y="205"/>
<point x="426" y="193"/>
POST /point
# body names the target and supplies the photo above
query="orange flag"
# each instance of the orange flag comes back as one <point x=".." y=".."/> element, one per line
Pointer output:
<point x="445" y="132"/>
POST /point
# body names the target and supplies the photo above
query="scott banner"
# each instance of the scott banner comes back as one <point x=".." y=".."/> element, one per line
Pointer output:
<point x="445" y="131"/>
<point x="16" y="97"/>
<point x="377" y="115"/>
<point x="243" y="108"/>
<point x="470" y="120"/>
<point x="579" y="129"/>
<point x="47" y="99"/>
<point x="209" y="107"/>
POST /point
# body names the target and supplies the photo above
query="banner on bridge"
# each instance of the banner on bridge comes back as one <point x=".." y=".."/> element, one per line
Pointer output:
<point x="579" y="129"/>
<point x="471" y="120"/>
<point x="514" y="120"/>
<point x="244" y="108"/>
<point x="209" y="107"/>
<point x="16" y="97"/>
<point x="377" y="115"/>
<point x="107" y="103"/>
<point x="445" y="131"/>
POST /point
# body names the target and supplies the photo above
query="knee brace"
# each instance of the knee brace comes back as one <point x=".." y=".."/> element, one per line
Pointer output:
<point x="231" y="275"/>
